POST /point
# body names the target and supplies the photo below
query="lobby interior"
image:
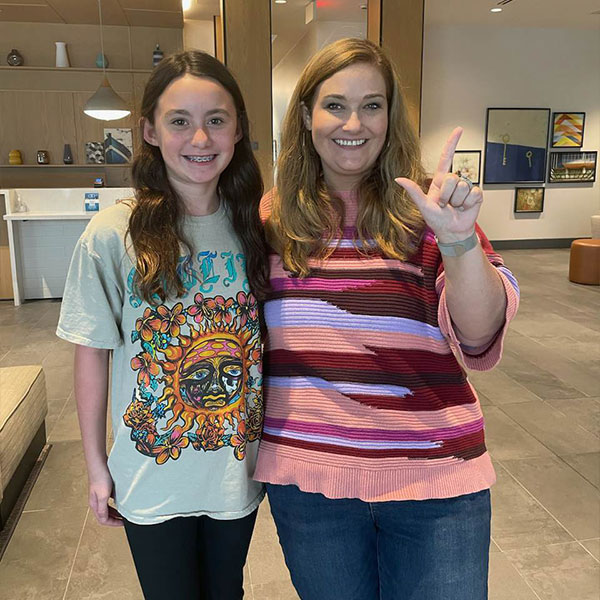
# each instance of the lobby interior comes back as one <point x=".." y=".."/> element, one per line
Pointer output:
<point x="541" y="404"/>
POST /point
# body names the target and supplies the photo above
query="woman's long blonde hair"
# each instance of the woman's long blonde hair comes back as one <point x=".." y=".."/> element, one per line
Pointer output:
<point x="305" y="217"/>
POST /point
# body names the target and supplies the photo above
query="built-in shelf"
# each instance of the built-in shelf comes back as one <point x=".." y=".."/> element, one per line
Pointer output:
<point x="80" y="69"/>
<point x="37" y="216"/>
<point x="85" y="166"/>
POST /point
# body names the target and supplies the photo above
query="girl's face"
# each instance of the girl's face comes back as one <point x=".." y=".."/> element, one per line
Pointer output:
<point x="349" y="122"/>
<point x="195" y="127"/>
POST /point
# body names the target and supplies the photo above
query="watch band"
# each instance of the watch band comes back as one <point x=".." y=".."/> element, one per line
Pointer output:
<point x="458" y="248"/>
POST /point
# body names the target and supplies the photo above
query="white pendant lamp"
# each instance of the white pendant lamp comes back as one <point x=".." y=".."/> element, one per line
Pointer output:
<point x="105" y="104"/>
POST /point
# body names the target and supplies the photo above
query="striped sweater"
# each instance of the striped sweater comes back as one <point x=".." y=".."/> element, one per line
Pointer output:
<point x="364" y="389"/>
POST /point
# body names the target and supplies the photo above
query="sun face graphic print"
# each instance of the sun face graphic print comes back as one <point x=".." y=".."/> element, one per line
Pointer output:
<point x="198" y="377"/>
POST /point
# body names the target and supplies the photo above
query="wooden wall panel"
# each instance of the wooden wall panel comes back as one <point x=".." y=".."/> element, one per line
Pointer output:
<point x="247" y="31"/>
<point x="402" y="24"/>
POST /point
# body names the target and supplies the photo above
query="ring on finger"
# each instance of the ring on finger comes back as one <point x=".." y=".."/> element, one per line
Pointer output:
<point x="467" y="181"/>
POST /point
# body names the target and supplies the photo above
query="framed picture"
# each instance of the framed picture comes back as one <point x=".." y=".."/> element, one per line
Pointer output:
<point x="94" y="153"/>
<point x="118" y="145"/>
<point x="567" y="129"/>
<point x="468" y="164"/>
<point x="572" y="167"/>
<point x="515" y="145"/>
<point x="529" y="199"/>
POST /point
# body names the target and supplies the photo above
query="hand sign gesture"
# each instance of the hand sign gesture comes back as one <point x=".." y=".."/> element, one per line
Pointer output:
<point x="452" y="203"/>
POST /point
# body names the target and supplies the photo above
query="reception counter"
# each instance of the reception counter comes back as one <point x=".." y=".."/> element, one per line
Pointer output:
<point x="43" y="228"/>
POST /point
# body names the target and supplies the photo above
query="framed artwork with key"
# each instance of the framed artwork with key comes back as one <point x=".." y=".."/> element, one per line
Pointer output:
<point x="467" y="163"/>
<point x="515" y="145"/>
<point x="572" y="167"/>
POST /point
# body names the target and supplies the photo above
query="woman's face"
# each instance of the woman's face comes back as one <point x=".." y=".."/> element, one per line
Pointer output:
<point x="348" y="123"/>
<point x="195" y="127"/>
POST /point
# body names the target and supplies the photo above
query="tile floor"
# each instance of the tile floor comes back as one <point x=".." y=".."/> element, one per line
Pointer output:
<point x="542" y="406"/>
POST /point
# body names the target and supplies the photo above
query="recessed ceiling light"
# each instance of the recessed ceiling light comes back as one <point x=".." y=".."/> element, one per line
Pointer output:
<point x="495" y="10"/>
<point x="280" y="1"/>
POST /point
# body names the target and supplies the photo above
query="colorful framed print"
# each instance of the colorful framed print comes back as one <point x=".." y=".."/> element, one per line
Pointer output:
<point x="529" y="199"/>
<point x="118" y="145"/>
<point x="572" y="167"/>
<point x="467" y="163"/>
<point x="515" y="145"/>
<point x="567" y="129"/>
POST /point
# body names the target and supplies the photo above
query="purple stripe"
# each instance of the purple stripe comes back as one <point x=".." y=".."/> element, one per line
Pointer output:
<point x="314" y="283"/>
<point x="374" y="434"/>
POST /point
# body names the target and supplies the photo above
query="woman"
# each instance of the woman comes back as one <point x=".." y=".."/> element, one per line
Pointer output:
<point x="373" y="448"/>
<point x="168" y="286"/>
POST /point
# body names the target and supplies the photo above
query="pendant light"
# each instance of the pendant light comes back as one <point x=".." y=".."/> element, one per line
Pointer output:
<point x="105" y="104"/>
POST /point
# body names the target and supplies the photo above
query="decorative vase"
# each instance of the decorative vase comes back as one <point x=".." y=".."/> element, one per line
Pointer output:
<point x="101" y="61"/>
<point x="157" y="55"/>
<point x="15" y="158"/>
<point x="62" y="58"/>
<point x="43" y="157"/>
<point x="67" y="155"/>
<point x="14" y="59"/>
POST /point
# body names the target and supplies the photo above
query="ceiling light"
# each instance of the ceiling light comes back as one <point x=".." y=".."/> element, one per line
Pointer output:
<point x="495" y="9"/>
<point x="105" y="104"/>
<point x="280" y="1"/>
<point x="186" y="5"/>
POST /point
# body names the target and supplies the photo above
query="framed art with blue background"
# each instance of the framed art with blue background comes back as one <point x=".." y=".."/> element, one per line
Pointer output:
<point x="515" y="145"/>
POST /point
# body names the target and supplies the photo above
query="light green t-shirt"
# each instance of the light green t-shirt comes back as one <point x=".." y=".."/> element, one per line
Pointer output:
<point x="186" y="392"/>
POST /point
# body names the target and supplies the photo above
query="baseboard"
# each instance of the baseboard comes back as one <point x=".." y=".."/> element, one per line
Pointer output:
<point x="530" y="244"/>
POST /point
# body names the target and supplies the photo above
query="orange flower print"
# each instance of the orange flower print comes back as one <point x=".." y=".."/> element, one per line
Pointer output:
<point x="146" y="366"/>
<point x="172" y="446"/>
<point x="238" y="441"/>
<point x="221" y="309"/>
<point x="247" y="308"/>
<point x="147" y="325"/>
<point x="200" y="309"/>
<point x="171" y="320"/>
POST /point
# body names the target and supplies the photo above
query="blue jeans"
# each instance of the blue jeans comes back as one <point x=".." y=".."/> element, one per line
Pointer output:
<point x="407" y="550"/>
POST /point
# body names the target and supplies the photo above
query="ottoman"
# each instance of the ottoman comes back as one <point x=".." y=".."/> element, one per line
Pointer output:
<point x="584" y="262"/>
<point x="23" y="408"/>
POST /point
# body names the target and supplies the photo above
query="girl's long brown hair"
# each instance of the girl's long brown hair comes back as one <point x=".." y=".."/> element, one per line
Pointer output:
<point x="155" y="224"/>
<point x="305" y="216"/>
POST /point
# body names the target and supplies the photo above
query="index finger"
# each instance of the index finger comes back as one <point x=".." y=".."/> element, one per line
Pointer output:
<point x="448" y="154"/>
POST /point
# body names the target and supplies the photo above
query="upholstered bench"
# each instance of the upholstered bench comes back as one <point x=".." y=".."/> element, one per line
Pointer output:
<point x="584" y="262"/>
<point x="23" y="408"/>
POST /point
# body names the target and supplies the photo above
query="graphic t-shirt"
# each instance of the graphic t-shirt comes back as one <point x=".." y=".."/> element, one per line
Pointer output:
<point x="186" y="392"/>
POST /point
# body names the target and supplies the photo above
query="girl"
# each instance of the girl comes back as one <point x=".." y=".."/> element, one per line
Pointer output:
<point x="373" y="445"/>
<point x="168" y="285"/>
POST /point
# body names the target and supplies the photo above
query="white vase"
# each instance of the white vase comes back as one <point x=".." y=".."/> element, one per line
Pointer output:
<point x="62" y="58"/>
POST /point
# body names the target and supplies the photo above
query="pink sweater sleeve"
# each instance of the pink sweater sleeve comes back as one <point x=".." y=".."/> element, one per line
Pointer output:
<point x="488" y="356"/>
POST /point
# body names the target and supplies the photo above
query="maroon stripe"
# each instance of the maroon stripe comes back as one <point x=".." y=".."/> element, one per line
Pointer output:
<point x="413" y="365"/>
<point x="472" y="447"/>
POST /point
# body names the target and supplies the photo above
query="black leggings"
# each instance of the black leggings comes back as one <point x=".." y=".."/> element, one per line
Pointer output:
<point x="192" y="558"/>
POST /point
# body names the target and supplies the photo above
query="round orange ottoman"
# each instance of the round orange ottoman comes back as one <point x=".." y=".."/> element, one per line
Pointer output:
<point x="584" y="262"/>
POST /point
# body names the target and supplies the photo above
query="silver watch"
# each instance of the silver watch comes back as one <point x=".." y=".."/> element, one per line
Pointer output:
<point x="458" y="248"/>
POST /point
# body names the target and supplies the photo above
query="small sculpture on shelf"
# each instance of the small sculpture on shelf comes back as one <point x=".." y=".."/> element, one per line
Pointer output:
<point x="157" y="55"/>
<point x="15" y="158"/>
<point x="15" y="59"/>
<point x="43" y="157"/>
<point x="62" y="57"/>
<point x="67" y="155"/>
<point x="101" y="61"/>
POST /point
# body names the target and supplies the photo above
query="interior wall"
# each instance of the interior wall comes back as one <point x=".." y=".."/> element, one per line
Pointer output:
<point x="199" y="35"/>
<point x="468" y="69"/>
<point x="286" y="73"/>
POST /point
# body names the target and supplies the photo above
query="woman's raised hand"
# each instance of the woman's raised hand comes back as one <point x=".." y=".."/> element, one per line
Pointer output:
<point x="451" y="206"/>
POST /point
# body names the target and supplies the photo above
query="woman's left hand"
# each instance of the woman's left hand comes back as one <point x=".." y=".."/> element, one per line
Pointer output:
<point x="451" y="206"/>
